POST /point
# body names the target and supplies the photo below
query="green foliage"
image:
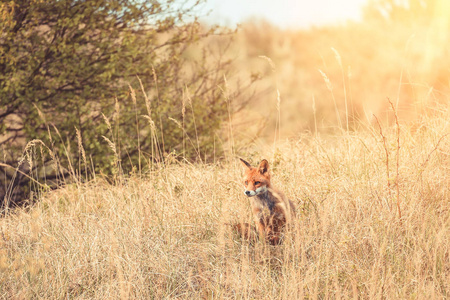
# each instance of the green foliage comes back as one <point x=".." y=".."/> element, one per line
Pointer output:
<point x="66" y="66"/>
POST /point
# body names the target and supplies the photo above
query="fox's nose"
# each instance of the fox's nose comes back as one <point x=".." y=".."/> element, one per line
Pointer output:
<point x="247" y="193"/>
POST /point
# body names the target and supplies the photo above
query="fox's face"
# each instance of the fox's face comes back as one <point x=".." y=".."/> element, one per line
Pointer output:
<point x="256" y="180"/>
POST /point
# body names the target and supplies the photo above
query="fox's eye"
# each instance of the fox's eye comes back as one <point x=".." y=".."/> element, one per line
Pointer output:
<point x="246" y="182"/>
<point x="257" y="182"/>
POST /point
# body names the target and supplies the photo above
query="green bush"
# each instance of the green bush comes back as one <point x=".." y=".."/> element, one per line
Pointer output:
<point x="70" y="77"/>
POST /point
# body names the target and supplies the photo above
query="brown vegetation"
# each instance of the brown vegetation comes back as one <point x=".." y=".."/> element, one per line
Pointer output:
<point x="163" y="235"/>
<point x="369" y="176"/>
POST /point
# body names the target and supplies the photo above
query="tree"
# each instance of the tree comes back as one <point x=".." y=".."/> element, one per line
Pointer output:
<point x="65" y="68"/>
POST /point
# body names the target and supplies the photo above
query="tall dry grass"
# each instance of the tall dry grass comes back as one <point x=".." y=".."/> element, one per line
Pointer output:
<point x="162" y="234"/>
<point x="344" y="73"/>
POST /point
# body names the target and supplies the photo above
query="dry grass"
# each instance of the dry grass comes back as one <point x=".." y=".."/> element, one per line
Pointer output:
<point x="162" y="235"/>
<point x="339" y="75"/>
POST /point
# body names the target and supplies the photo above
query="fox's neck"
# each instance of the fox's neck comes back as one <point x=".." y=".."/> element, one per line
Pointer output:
<point x="265" y="199"/>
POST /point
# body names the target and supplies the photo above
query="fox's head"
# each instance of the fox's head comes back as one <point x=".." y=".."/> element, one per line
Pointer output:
<point x="256" y="180"/>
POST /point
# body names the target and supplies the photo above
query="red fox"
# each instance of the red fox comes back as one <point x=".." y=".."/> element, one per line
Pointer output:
<point x="271" y="209"/>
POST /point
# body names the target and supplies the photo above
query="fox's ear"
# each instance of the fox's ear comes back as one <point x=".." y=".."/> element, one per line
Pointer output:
<point x="263" y="166"/>
<point x="246" y="164"/>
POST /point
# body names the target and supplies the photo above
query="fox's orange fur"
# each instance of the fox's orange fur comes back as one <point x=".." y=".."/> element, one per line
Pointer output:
<point x="271" y="209"/>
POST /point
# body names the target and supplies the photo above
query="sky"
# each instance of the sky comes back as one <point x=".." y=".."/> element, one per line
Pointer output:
<point x="284" y="13"/>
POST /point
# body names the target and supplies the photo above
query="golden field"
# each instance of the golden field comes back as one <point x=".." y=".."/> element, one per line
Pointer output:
<point x="355" y="123"/>
<point x="163" y="234"/>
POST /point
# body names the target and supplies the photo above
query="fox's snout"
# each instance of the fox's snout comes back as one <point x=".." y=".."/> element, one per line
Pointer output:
<point x="259" y="190"/>
<point x="250" y="193"/>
